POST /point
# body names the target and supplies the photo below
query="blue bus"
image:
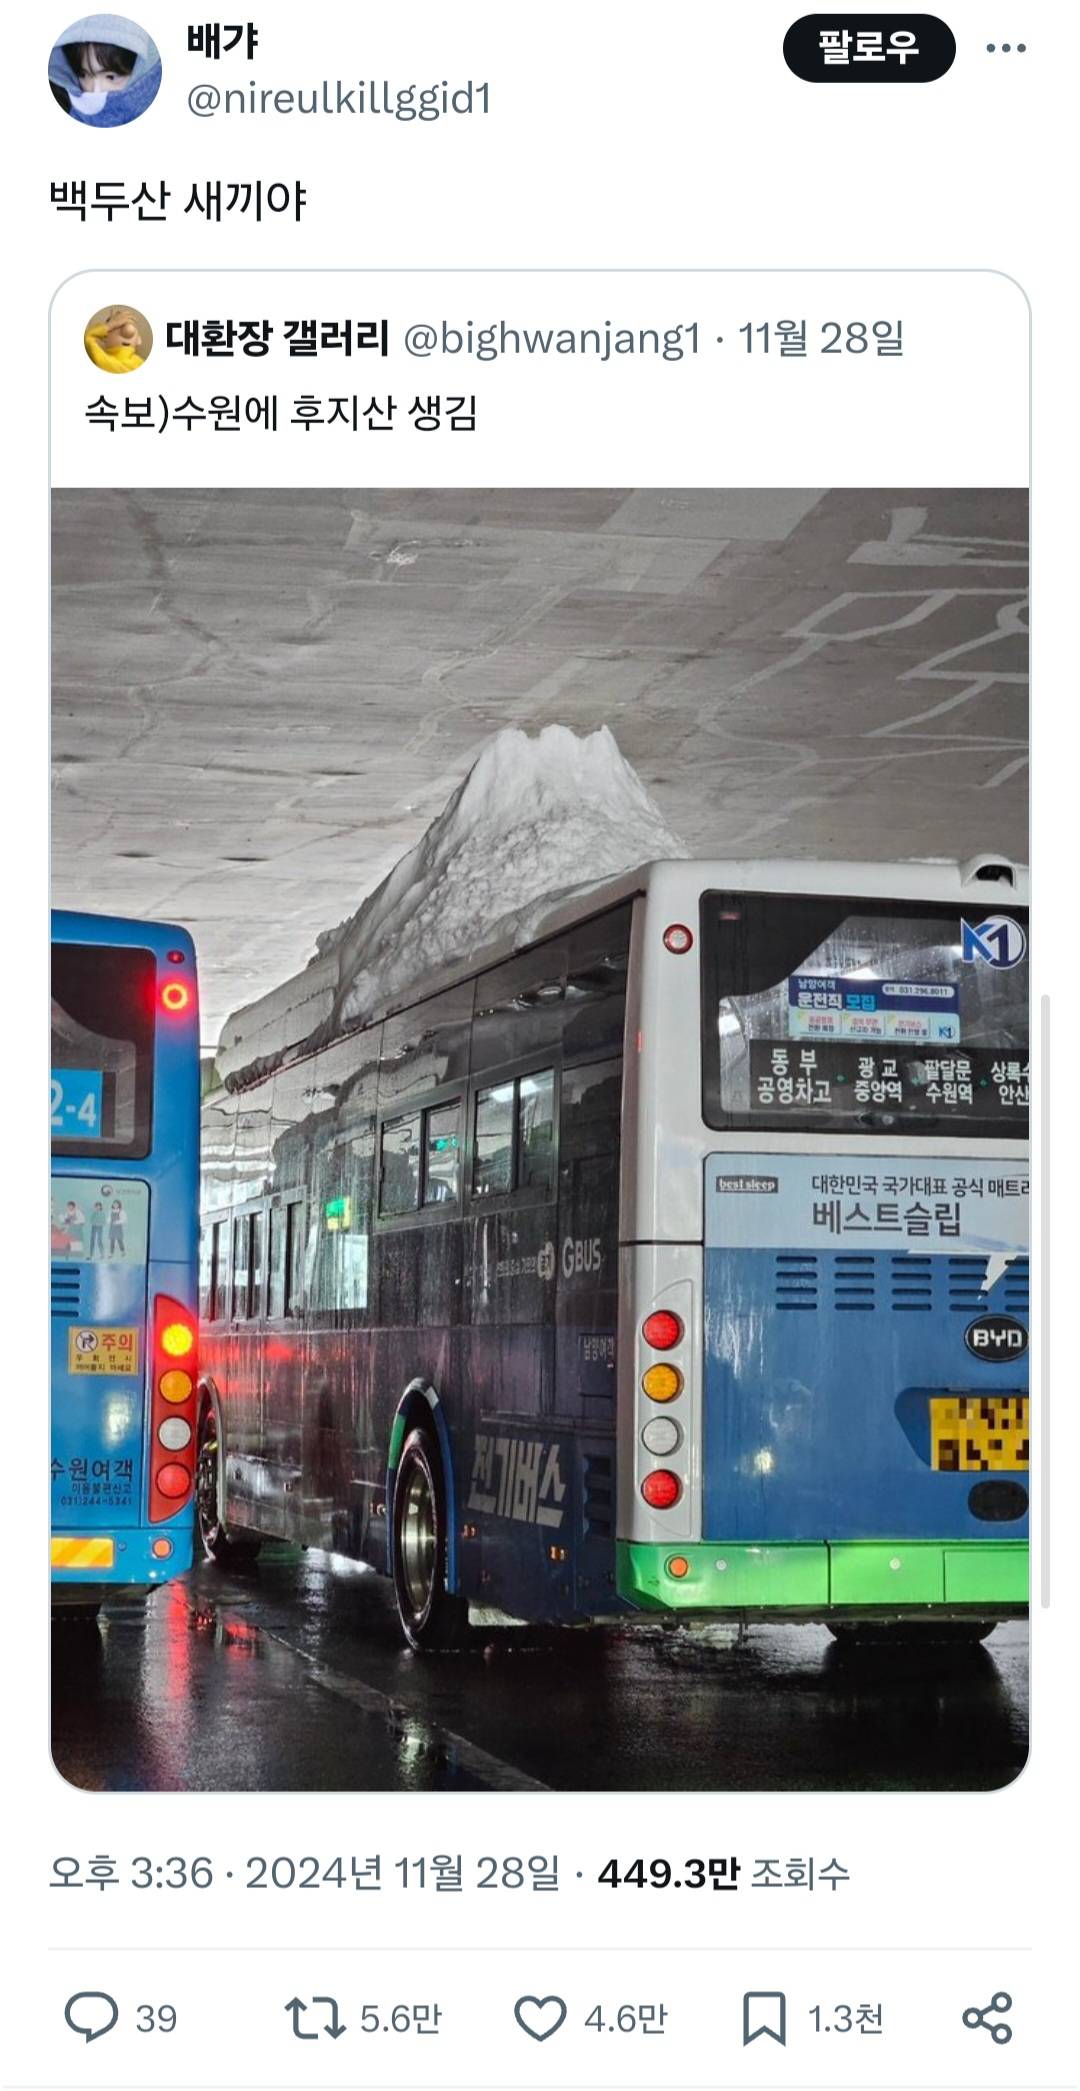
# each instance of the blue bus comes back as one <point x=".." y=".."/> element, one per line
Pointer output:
<point x="124" y="1128"/>
<point x="675" y="1263"/>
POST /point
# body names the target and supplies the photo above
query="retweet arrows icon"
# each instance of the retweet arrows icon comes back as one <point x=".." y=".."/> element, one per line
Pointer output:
<point x="335" y="2029"/>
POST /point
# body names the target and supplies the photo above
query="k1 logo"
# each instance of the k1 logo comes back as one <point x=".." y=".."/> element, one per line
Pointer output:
<point x="996" y="942"/>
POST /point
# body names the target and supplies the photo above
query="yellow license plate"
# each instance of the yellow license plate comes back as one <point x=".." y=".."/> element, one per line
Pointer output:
<point x="979" y="1433"/>
<point x="112" y="1351"/>
<point x="83" y="1553"/>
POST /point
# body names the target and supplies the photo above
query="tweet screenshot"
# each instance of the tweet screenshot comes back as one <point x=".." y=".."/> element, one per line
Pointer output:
<point x="539" y="1563"/>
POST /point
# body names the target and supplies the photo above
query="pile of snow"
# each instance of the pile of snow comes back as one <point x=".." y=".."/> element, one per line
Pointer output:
<point x="534" y="823"/>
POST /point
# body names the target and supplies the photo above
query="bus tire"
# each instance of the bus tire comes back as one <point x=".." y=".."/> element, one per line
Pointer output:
<point x="216" y="1543"/>
<point x="912" y="1633"/>
<point x="433" y="1621"/>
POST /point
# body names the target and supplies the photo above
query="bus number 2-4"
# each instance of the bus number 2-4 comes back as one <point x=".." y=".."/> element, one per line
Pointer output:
<point x="85" y="1114"/>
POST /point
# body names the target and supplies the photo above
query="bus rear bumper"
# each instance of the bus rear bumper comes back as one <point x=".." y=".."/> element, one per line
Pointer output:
<point x="823" y="1579"/>
<point x="87" y="1565"/>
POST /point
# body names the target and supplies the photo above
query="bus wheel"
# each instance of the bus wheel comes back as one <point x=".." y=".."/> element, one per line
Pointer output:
<point x="928" y="1633"/>
<point x="431" y="1619"/>
<point x="216" y="1544"/>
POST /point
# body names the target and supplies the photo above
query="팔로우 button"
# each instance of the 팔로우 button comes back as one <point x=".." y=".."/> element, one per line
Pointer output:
<point x="862" y="49"/>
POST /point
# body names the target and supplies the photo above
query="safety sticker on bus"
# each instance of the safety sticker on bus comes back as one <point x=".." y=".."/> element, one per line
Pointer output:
<point x="112" y="1351"/>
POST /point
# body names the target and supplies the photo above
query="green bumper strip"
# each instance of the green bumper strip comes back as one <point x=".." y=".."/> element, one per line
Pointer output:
<point x="820" y="1576"/>
<point x="397" y="1439"/>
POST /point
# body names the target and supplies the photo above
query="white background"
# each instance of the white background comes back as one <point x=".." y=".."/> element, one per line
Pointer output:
<point x="623" y="136"/>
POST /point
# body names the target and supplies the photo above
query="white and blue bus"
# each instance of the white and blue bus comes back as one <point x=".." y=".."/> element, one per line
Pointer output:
<point x="673" y="1264"/>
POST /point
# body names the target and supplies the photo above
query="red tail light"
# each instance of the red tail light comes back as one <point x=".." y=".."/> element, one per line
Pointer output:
<point x="173" y="1480"/>
<point x="176" y="996"/>
<point x="172" y="1399"/>
<point x="661" y="1489"/>
<point x="662" y="1331"/>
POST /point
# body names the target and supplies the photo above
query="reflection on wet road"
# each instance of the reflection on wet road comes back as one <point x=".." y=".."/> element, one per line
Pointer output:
<point x="293" y="1676"/>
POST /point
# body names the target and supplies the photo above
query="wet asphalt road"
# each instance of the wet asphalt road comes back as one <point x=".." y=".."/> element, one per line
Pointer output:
<point x="292" y="1676"/>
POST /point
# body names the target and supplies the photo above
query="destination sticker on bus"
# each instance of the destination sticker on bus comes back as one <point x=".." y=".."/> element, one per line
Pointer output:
<point x="112" y="1351"/>
<point x="836" y="1077"/>
<point x="832" y="1005"/>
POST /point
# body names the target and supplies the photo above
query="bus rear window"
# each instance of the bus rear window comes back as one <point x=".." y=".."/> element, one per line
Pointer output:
<point x="102" y="1050"/>
<point x="831" y="1015"/>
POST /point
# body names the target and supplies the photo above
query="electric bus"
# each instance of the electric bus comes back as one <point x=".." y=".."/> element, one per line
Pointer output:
<point x="124" y="1126"/>
<point x="673" y="1264"/>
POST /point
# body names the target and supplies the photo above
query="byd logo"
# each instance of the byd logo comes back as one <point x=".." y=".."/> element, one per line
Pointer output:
<point x="995" y="1337"/>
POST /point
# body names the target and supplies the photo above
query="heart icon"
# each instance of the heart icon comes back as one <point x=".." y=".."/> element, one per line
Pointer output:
<point x="540" y="2017"/>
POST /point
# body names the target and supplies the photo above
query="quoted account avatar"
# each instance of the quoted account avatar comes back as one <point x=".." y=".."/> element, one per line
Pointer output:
<point x="104" y="71"/>
<point x="117" y="339"/>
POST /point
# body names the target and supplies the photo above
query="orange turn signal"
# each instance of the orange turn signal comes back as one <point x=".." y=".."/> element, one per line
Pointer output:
<point x="662" y="1382"/>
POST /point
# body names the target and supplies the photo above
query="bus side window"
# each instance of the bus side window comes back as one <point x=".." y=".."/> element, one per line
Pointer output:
<point x="587" y="1289"/>
<point x="520" y="1012"/>
<point x="277" y="1221"/>
<point x="536" y="1131"/>
<point x="399" y="1167"/>
<point x="596" y="970"/>
<point x="284" y="1258"/>
<point x="442" y="1154"/>
<point x="241" y="1264"/>
<point x="206" y="1269"/>
<point x="294" y="1257"/>
<point x="493" y="1160"/>
<point x="217" y="1303"/>
<point x="515" y="1136"/>
<point x="255" y="1271"/>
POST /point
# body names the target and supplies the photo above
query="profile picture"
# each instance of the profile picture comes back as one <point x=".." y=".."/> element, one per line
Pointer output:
<point x="104" y="70"/>
<point x="118" y="339"/>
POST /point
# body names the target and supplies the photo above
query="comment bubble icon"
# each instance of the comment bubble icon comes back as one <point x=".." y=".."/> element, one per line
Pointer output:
<point x="91" y="2012"/>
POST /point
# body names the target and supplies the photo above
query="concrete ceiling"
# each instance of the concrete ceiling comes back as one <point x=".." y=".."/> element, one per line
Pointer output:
<point x="261" y="697"/>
